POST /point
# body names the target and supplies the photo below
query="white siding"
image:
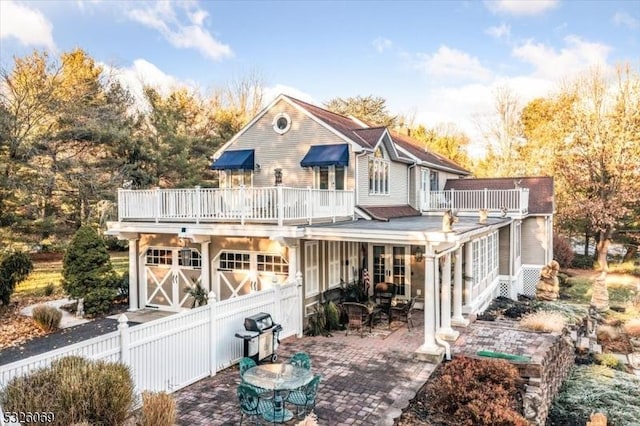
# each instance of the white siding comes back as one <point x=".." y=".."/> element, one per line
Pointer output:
<point x="398" y="193"/>
<point x="286" y="151"/>
<point x="534" y="241"/>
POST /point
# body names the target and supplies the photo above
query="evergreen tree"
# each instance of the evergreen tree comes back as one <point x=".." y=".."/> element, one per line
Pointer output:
<point x="14" y="268"/>
<point x="87" y="271"/>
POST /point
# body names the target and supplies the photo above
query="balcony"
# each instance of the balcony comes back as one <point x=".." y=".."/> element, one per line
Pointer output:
<point x="278" y="205"/>
<point x="512" y="201"/>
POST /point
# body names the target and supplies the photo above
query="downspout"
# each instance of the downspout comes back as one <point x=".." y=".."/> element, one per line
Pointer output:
<point x="439" y="341"/>
<point x="415" y="163"/>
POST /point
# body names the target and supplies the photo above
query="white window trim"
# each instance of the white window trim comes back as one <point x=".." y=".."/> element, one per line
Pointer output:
<point x="378" y="177"/>
<point x="275" y="123"/>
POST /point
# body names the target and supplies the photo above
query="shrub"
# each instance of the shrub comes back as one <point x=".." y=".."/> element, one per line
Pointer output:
<point x="99" y="300"/>
<point x="632" y="327"/>
<point x="562" y="250"/>
<point x="47" y="317"/>
<point x="81" y="390"/>
<point x="86" y="265"/>
<point x="158" y="409"/>
<point x="14" y="268"/>
<point x="477" y="392"/>
<point x="49" y="289"/>
<point x="332" y="315"/>
<point x="595" y="388"/>
<point x="580" y="261"/>
<point x="609" y="360"/>
<point x="545" y="321"/>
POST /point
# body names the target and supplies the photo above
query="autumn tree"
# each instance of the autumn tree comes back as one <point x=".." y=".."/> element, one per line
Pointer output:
<point x="371" y="109"/>
<point x="446" y="140"/>
<point x="502" y="131"/>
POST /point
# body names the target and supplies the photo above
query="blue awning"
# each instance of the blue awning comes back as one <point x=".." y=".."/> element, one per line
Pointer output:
<point x="233" y="160"/>
<point x="326" y="155"/>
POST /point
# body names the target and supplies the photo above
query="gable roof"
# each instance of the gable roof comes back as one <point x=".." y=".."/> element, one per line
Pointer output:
<point x="369" y="137"/>
<point x="540" y="189"/>
<point x="416" y="149"/>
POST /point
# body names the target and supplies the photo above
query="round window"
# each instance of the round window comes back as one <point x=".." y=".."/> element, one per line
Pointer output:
<point x="281" y="123"/>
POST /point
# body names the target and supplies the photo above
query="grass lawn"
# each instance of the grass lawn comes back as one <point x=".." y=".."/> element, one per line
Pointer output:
<point x="51" y="272"/>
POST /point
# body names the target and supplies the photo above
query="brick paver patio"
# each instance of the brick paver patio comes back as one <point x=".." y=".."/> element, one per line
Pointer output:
<point x="365" y="381"/>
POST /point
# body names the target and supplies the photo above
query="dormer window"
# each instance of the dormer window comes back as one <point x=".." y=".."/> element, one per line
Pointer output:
<point x="282" y="123"/>
<point x="378" y="174"/>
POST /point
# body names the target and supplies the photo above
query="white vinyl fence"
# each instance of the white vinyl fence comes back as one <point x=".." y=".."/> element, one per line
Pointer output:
<point x="173" y="352"/>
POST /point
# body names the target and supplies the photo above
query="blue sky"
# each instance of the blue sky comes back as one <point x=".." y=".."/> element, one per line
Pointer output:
<point x="434" y="61"/>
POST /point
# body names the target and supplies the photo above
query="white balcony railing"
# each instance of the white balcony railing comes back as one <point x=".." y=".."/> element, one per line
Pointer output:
<point x="269" y="204"/>
<point x="512" y="200"/>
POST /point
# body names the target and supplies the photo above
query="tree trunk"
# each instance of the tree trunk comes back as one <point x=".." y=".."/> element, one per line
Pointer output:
<point x="600" y="295"/>
<point x="603" y="248"/>
<point x="630" y="255"/>
<point x="586" y="242"/>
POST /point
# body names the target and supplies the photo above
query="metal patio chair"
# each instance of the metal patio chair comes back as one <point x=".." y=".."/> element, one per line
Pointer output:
<point x="301" y="359"/>
<point x="304" y="398"/>
<point x="252" y="404"/>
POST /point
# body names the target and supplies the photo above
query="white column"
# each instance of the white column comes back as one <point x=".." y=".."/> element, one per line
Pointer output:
<point x="205" y="278"/>
<point x="468" y="279"/>
<point x="446" y="331"/>
<point x="430" y="351"/>
<point x="133" y="275"/>
<point x="458" y="319"/>
<point x="293" y="260"/>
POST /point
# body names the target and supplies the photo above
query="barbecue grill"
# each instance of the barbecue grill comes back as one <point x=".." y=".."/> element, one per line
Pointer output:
<point x="260" y="336"/>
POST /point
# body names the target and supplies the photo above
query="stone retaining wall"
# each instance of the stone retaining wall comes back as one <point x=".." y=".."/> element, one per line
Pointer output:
<point x="552" y="356"/>
<point x="543" y="378"/>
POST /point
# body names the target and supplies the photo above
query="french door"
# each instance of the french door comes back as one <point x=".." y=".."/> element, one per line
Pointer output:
<point x="389" y="263"/>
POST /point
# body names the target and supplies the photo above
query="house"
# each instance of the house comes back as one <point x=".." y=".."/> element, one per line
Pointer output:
<point x="306" y="190"/>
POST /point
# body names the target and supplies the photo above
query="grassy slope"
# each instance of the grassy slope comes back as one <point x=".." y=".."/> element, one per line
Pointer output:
<point x="51" y="272"/>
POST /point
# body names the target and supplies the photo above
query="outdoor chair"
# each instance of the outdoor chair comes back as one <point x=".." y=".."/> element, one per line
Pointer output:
<point x="245" y="364"/>
<point x="252" y="404"/>
<point x="301" y="359"/>
<point x="304" y="398"/>
<point x="403" y="313"/>
<point x="358" y="316"/>
<point x="384" y="293"/>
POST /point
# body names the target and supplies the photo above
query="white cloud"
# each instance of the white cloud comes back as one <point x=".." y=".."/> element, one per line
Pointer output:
<point x="143" y="73"/>
<point x="186" y="32"/>
<point x="501" y="31"/>
<point x="520" y="7"/>
<point x="624" y="19"/>
<point x="27" y="25"/>
<point x="270" y="93"/>
<point x="452" y="63"/>
<point x="553" y="64"/>
<point x="381" y="44"/>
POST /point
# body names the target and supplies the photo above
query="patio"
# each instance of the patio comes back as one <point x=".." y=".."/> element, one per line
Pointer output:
<point x="365" y="381"/>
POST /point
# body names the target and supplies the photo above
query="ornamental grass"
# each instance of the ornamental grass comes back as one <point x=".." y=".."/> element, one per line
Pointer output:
<point x="543" y="321"/>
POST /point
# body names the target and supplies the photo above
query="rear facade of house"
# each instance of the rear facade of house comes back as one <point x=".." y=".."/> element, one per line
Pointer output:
<point x="311" y="195"/>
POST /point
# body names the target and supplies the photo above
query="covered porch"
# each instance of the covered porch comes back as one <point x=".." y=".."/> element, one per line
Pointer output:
<point x="456" y="273"/>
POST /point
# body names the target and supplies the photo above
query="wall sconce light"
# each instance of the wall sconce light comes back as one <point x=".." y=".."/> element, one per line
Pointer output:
<point x="185" y="252"/>
<point x="419" y="254"/>
<point x="278" y="176"/>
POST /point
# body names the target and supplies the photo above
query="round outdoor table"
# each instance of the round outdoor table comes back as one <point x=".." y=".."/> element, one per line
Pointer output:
<point x="278" y="377"/>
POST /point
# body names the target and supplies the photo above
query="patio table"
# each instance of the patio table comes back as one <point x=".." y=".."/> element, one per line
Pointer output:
<point x="279" y="378"/>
